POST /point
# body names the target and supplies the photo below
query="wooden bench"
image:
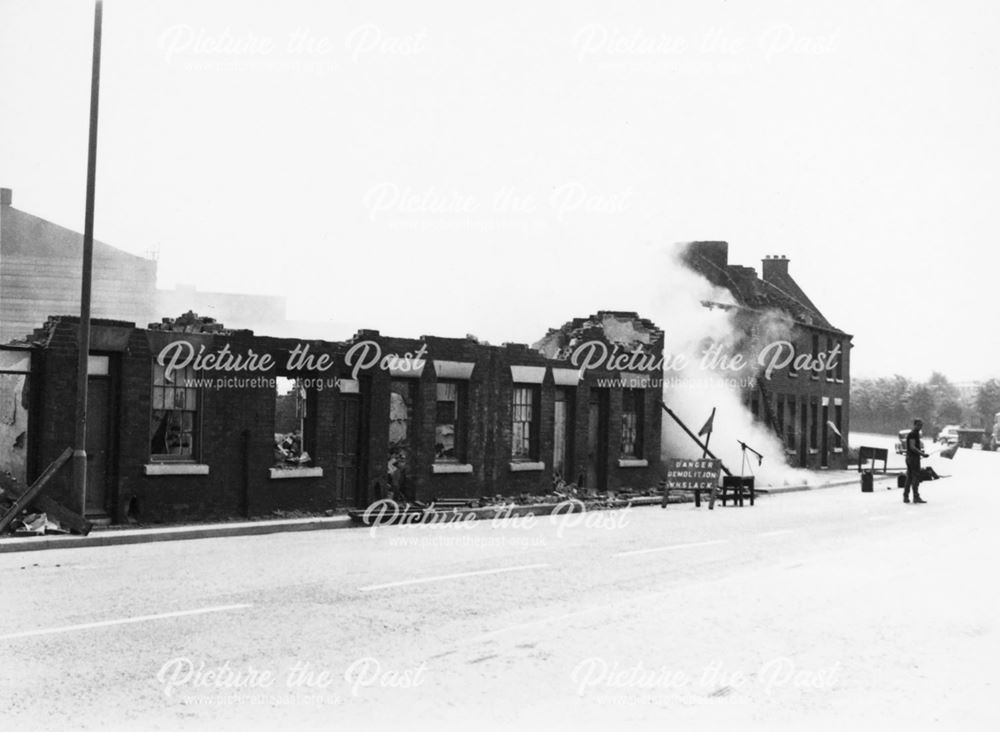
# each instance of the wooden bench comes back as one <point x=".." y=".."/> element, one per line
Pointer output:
<point x="737" y="488"/>
<point x="875" y="455"/>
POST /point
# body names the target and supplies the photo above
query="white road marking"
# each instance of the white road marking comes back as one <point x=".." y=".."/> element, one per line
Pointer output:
<point x="123" y="621"/>
<point x="779" y="532"/>
<point x="670" y="548"/>
<point x="422" y="580"/>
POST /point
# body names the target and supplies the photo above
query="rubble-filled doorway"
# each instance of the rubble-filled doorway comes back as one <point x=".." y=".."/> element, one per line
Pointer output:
<point x="348" y="452"/>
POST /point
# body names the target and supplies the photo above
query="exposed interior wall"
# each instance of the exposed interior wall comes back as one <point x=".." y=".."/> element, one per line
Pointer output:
<point x="14" y="425"/>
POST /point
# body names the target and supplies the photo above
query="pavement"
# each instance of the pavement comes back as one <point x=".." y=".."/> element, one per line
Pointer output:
<point x="117" y="536"/>
<point x="828" y="609"/>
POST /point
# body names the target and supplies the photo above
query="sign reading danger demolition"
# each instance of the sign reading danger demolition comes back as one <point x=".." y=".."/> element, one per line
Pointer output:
<point x="692" y="475"/>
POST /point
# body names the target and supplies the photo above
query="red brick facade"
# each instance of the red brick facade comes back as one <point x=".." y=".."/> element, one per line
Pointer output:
<point x="807" y="408"/>
<point x="351" y="414"/>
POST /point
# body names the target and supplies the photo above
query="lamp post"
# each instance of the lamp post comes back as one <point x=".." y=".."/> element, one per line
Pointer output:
<point x="80" y="437"/>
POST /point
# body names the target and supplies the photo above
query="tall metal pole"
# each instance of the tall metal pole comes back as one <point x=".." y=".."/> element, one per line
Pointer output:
<point x="80" y="438"/>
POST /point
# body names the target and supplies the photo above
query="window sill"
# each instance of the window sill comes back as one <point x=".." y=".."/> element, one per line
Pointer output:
<point x="791" y="451"/>
<point x="174" y="469"/>
<point x="449" y="468"/>
<point x="793" y="376"/>
<point x="632" y="463"/>
<point x="525" y="466"/>
<point x="285" y="473"/>
<point x="838" y="450"/>
<point x="814" y="451"/>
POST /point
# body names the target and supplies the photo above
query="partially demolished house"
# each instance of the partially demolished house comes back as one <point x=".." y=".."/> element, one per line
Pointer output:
<point x="806" y="401"/>
<point x="189" y="419"/>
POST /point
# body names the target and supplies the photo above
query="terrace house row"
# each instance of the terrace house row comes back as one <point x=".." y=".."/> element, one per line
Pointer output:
<point x="188" y="419"/>
<point x="808" y="408"/>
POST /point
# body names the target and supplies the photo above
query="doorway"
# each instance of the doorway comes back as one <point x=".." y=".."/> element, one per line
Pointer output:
<point x="101" y="429"/>
<point x="597" y="440"/>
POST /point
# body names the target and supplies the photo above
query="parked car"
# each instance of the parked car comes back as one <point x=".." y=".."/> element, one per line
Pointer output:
<point x="901" y="442"/>
<point x="949" y="435"/>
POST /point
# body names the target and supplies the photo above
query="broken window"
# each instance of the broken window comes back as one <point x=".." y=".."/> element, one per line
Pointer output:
<point x="838" y="422"/>
<point x="448" y="427"/>
<point x="174" y="424"/>
<point x="291" y="413"/>
<point x="402" y="396"/>
<point x="779" y="415"/>
<point x="632" y="402"/>
<point x="524" y="436"/>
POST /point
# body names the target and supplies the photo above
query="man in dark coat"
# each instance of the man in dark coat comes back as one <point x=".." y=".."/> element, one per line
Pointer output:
<point x="914" y="451"/>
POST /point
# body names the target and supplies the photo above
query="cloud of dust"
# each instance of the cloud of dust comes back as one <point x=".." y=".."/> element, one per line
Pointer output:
<point x="701" y="344"/>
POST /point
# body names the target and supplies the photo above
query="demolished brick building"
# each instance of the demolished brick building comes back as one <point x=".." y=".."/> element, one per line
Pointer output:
<point x="190" y="420"/>
<point x="808" y="408"/>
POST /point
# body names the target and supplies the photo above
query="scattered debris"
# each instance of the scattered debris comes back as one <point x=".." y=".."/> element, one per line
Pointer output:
<point x="37" y="524"/>
<point x="288" y="452"/>
<point x="191" y="322"/>
<point x="49" y="517"/>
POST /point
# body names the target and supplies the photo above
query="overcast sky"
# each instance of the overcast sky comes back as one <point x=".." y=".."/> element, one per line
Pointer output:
<point x="452" y="168"/>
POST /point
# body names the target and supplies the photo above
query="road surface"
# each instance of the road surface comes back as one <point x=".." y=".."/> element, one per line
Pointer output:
<point x="813" y="610"/>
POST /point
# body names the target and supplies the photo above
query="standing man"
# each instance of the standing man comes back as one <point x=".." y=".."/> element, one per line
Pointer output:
<point x="914" y="451"/>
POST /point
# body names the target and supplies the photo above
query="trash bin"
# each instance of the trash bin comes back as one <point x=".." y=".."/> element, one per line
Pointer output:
<point x="901" y="480"/>
<point x="867" y="482"/>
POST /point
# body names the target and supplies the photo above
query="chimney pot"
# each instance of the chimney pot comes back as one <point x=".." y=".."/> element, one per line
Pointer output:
<point x="6" y="196"/>
<point x="774" y="267"/>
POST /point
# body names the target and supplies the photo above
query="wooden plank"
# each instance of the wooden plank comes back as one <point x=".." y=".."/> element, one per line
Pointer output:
<point x="35" y="488"/>
<point x="53" y="509"/>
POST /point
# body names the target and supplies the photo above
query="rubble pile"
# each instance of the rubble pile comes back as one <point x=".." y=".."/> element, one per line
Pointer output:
<point x="26" y="523"/>
<point x="191" y="322"/>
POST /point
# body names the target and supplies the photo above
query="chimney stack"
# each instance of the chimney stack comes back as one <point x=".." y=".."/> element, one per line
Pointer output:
<point x="6" y="196"/>
<point x="715" y="252"/>
<point x="774" y="267"/>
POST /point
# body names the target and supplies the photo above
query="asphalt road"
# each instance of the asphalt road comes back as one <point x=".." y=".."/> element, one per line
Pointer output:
<point x="811" y="610"/>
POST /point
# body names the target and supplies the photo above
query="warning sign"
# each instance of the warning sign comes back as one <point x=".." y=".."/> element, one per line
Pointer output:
<point x="689" y="475"/>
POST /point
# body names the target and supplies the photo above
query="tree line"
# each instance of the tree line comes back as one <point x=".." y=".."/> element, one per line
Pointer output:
<point x="889" y="404"/>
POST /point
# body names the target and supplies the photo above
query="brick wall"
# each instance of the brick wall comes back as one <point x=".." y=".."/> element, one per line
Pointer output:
<point x="235" y="426"/>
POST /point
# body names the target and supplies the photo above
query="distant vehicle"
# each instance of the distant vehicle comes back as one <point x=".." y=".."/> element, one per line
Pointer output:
<point x="973" y="438"/>
<point x="901" y="442"/>
<point x="949" y="435"/>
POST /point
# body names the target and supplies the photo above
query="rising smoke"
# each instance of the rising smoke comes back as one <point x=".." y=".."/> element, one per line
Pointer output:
<point x="706" y="338"/>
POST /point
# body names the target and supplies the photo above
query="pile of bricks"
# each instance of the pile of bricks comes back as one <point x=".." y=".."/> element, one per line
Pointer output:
<point x="190" y="322"/>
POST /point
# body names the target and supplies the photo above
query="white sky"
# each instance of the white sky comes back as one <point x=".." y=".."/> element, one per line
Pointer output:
<point x="446" y="168"/>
